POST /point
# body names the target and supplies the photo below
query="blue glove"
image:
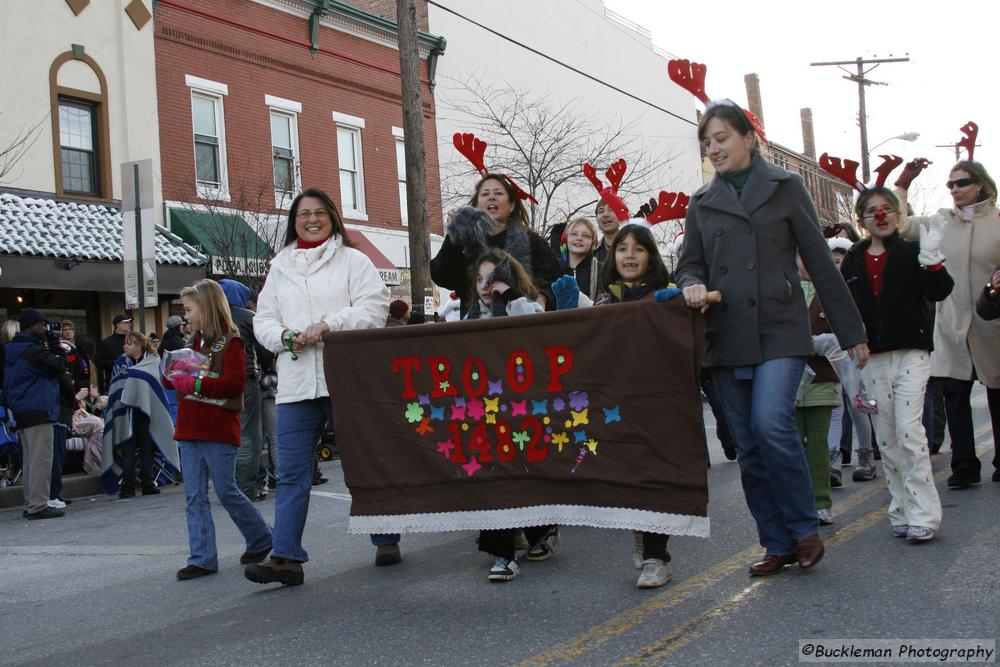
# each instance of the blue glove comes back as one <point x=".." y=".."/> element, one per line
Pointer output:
<point x="567" y="292"/>
<point x="666" y="294"/>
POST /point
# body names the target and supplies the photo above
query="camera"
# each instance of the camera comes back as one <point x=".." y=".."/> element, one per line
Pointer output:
<point x="53" y="329"/>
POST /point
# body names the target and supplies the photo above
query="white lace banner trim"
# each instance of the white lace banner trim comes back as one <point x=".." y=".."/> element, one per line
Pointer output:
<point x="538" y="515"/>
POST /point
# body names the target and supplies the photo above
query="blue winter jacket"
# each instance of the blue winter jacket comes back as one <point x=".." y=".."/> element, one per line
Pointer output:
<point x="31" y="381"/>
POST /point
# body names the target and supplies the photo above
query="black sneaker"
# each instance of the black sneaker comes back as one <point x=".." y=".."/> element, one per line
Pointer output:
<point x="150" y="490"/>
<point x="193" y="572"/>
<point x="275" y="570"/>
<point x="963" y="480"/>
<point x="730" y="452"/>
<point x="254" y="557"/>
<point x="996" y="476"/>
<point x="44" y="513"/>
<point x="544" y="548"/>
<point x="388" y="554"/>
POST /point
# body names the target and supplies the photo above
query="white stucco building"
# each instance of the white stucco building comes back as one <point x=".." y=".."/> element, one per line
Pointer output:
<point x="584" y="36"/>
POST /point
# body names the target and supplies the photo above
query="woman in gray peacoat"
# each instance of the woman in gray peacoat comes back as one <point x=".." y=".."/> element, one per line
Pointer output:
<point x="742" y="233"/>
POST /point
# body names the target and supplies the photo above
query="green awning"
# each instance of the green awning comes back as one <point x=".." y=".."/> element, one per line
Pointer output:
<point x="219" y="234"/>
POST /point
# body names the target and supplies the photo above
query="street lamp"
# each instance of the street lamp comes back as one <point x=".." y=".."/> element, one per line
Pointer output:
<point x="906" y="136"/>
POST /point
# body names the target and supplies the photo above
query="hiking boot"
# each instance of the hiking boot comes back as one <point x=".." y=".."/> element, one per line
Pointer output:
<point x="900" y="531"/>
<point x="655" y="573"/>
<point x="44" y="513"/>
<point x="192" y="572"/>
<point x="387" y="554"/>
<point x="249" y="557"/>
<point x="280" y="570"/>
<point x="503" y="570"/>
<point x="916" y="534"/>
<point x="865" y="470"/>
<point x="637" y="549"/>
<point x="836" y="477"/>
<point x="544" y="548"/>
<point x="825" y="516"/>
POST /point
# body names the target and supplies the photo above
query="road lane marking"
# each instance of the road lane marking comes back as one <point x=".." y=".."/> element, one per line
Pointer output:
<point x="697" y="627"/>
<point x="598" y="635"/>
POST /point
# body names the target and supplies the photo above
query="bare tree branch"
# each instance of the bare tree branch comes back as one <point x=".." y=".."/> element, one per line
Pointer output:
<point x="12" y="153"/>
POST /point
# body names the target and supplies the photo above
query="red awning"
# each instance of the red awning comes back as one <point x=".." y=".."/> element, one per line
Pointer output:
<point x="386" y="269"/>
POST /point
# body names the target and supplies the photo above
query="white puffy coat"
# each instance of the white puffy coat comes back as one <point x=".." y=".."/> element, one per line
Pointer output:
<point x="332" y="284"/>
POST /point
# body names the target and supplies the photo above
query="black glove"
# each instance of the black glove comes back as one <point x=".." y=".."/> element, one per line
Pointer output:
<point x="468" y="228"/>
<point x="499" y="302"/>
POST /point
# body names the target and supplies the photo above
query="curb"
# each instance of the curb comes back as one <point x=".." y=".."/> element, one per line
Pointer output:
<point x="74" y="486"/>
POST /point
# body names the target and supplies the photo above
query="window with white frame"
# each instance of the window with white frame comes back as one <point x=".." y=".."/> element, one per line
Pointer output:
<point x="401" y="174"/>
<point x="207" y="120"/>
<point x="352" y="178"/>
<point x="284" y="149"/>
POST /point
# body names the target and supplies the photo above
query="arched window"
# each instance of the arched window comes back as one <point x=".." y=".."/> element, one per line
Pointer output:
<point x="81" y="148"/>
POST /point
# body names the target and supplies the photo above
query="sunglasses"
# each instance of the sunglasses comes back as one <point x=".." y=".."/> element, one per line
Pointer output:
<point x="962" y="182"/>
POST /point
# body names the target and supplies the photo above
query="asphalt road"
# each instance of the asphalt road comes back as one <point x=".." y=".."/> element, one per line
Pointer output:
<point x="98" y="587"/>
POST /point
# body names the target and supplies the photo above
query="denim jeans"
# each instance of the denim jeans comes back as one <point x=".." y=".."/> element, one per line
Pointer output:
<point x="201" y="460"/>
<point x="251" y="440"/>
<point x="300" y="425"/>
<point x="59" y="435"/>
<point x="759" y="404"/>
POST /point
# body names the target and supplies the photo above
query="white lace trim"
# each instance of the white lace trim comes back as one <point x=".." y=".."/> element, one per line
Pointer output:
<point x="538" y="515"/>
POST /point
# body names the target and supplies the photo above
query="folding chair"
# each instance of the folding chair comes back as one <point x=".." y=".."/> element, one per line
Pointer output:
<point x="10" y="450"/>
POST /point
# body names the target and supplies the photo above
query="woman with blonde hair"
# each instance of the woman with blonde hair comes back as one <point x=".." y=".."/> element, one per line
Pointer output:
<point x="208" y="431"/>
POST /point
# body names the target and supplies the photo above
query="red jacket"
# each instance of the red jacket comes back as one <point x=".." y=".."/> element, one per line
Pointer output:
<point x="202" y="421"/>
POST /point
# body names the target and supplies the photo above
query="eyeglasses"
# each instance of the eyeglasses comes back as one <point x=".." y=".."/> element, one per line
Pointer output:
<point x="961" y="182"/>
<point x="320" y="213"/>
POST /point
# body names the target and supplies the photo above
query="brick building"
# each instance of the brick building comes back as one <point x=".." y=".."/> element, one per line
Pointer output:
<point x="258" y="98"/>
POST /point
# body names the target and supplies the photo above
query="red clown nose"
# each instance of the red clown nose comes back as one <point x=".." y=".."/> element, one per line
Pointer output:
<point x="880" y="214"/>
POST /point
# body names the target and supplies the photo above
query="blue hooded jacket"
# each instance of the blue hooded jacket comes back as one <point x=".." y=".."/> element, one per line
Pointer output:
<point x="237" y="295"/>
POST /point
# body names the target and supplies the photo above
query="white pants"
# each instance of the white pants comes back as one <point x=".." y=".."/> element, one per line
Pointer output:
<point x="897" y="380"/>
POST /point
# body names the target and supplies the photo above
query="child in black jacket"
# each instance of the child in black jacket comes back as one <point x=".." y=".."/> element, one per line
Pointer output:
<point x="893" y="282"/>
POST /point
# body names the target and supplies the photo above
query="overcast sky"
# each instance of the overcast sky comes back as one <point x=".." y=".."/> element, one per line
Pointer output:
<point x="951" y="77"/>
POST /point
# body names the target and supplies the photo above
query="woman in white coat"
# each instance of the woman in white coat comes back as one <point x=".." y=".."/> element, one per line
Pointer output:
<point x="318" y="283"/>
<point x="967" y="347"/>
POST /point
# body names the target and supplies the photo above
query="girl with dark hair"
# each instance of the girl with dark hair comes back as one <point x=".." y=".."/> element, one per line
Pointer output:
<point x="893" y="282"/>
<point x="316" y="284"/>
<point x="635" y="271"/>
<point x="965" y="345"/>
<point x="742" y="233"/>
<point x="503" y="288"/>
<point x="509" y="231"/>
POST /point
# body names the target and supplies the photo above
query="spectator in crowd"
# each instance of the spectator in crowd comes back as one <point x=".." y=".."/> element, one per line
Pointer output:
<point x="61" y="429"/>
<point x="173" y="339"/>
<point x="267" y="474"/>
<point x="609" y="225"/>
<point x="31" y="392"/>
<point x="988" y="303"/>
<point x="251" y="428"/>
<point x="77" y="360"/>
<point x="399" y="313"/>
<point x="111" y="348"/>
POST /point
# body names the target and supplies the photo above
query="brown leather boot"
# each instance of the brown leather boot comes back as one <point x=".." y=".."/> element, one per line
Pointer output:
<point x="771" y="564"/>
<point x="809" y="550"/>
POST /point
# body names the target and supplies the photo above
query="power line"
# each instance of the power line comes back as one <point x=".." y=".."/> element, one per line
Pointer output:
<point x="561" y="63"/>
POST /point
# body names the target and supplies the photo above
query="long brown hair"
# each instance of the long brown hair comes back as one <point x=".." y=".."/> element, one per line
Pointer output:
<point x="518" y="215"/>
<point x="213" y="309"/>
<point x="496" y="256"/>
<point x="331" y="209"/>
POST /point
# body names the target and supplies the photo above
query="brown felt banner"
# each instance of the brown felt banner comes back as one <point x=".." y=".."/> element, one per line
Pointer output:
<point x="584" y="417"/>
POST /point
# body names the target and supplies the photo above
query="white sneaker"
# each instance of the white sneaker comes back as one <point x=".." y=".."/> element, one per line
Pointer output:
<point x="655" y="573"/>
<point x="545" y="548"/>
<point x="503" y="570"/>
<point x="637" y="549"/>
<point x="56" y="504"/>
<point x="900" y="531"/>
<point x="825" y="516"/>
<point x="919" y="534"/>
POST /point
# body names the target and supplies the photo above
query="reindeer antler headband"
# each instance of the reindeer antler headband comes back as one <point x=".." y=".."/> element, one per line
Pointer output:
<point x="669" y="206"/>
<point x="691" y="77"/>
<point x="847" y="170"/>
<point x="474" y="150"/>
<point x="971" y="131"/>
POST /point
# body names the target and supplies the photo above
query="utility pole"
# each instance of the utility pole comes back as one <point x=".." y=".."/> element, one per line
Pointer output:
<point x="956" y="147"/>
<point x="861" y="79"/>
<point x="413" y="147"/>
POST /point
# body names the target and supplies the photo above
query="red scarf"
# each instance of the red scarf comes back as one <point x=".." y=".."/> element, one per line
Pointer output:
<point x="305" y="245"/>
